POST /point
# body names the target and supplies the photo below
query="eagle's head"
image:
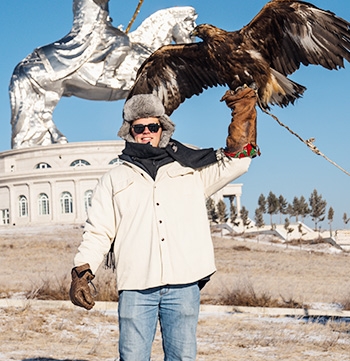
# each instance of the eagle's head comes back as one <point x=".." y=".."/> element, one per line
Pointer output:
<point x="206" y="32"/>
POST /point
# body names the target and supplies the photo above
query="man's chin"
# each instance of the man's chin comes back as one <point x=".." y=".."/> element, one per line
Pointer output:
<point x="150" y="142"/>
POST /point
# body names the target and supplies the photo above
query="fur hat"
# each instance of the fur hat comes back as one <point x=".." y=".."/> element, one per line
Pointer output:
<point x="145" y="106"/>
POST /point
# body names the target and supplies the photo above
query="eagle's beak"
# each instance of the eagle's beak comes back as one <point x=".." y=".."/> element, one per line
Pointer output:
<point x="194" y="32"/>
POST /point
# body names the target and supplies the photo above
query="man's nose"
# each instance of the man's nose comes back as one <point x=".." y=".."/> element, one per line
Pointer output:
<point x="146" y="130"/>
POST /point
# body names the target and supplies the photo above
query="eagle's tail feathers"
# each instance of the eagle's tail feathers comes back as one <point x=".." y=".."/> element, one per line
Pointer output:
<point x="282" y="91"/>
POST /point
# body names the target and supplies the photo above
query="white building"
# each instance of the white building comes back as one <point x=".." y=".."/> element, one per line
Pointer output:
<point x="54" y="184"/>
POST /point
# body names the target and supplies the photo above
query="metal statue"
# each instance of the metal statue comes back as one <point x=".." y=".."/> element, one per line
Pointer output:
<point x="95" y="61"/>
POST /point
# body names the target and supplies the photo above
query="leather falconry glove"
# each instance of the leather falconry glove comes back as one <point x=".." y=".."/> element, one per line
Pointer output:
<point x="80" y="293"/>
<point x="241" y="139"/>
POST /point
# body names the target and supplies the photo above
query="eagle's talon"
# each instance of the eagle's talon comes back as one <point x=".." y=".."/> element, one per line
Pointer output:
<point x="240" y="88"/>
<point x="253" y="86"/>
<point x="245" y="86"/>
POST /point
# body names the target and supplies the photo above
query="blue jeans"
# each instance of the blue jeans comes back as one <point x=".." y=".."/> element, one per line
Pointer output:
<point x="176" y="307"/>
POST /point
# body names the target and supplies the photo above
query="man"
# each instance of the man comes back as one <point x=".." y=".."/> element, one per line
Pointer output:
<point x="154" y="208"/>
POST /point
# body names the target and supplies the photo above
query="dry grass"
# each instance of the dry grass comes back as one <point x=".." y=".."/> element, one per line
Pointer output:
<point x="245" y="295"/>
<point x="250" y="273"/>
<point x="58" y="289"/>
<point x="345" y="302"/>
<point x="278" y="273"/>
<point x="37" y="265"/>
<point x="33" y="333"/>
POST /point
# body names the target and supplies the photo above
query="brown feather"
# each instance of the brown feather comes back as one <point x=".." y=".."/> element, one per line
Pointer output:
<point x="281" y="37"/>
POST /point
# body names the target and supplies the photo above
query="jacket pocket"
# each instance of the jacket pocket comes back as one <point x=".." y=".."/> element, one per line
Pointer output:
<point x="179" y="172"/>
<point x="121" y="185"/>
<point x="183" y="183"/>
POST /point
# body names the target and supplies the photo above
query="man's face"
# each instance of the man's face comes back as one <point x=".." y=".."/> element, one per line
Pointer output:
<point x="147" y="135"/>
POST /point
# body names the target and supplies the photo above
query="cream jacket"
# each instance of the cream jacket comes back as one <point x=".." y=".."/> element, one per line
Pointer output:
<point x="160" y="226"/>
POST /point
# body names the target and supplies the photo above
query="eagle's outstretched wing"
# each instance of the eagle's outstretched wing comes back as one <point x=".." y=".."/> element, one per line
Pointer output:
<point x="176" y="72"/>
<point x="289" y="33"/>
<point x="284" y="35"/>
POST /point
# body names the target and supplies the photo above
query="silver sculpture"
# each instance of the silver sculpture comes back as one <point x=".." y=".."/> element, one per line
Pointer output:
<point x="95" y="61"/>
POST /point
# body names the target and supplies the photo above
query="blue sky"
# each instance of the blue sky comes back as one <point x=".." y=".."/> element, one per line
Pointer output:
<point x="286" y="167"/>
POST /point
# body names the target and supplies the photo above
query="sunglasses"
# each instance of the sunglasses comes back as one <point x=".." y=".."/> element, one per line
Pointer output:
<point x="140" y="128"/>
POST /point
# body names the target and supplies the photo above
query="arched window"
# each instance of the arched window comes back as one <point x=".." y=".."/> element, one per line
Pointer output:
<point x="66" y="203"/>
<point x="79" y="163"/>
<point x="42" y="165"/>
<point x="43" y="201"/>
<point x="87" y="199"/>
<point x="5" y="216"/>
<point x="23" y="206"/>
<point x="116" y="161"/>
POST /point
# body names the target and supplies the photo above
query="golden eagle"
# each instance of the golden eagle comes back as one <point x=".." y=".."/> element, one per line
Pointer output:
<point x="282" y="36"/>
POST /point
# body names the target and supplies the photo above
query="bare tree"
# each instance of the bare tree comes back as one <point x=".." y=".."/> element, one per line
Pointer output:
<point x="318" y="208"/>
<point x="304" y="209"/>
<point x="299" y="207"/>
<point x="272" y="206"/>
<point x="287" y="227"/>
<point x="211" y="210"/>
<point x="290" y="210"/>
<point x="330" y="218"/>
<point x="282" y="206"/>
<point x="294" y="209"/>
<point x="221" y="211"/>
<point x="262" y="203"/>
<point x="245" y="218"/>
<point x="301" y="233"/>
<point x="233" y="214"/>
<point x="259" y="219"/>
